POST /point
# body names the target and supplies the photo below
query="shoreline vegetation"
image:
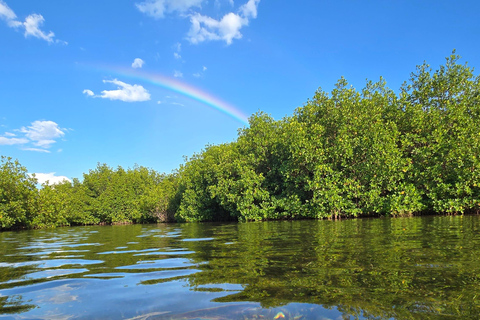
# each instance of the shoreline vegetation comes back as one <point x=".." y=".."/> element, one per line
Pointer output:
<point x="343" y="154"/>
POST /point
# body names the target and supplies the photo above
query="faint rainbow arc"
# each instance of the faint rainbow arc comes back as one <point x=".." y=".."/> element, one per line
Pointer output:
<point x="185" y="90"/>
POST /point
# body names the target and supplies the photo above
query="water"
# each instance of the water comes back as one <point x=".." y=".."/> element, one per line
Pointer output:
<point x="409" y="268"/>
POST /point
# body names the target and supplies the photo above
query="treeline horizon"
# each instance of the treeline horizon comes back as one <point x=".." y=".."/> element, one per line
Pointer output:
<point x="346" y="153"/>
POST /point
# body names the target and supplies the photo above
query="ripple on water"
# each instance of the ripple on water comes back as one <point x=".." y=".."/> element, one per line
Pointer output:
<point x="47" y="264"/>
<point x="165" y="253"/>
<point x="58" y="245"/>
<point x="170" y="263"/>
<point x="198" y="239"/>
<point x="44" y="252"/>
<point x="127" y="251"/>
<point x="47" y="274"/>
<point x="387" y="267"/>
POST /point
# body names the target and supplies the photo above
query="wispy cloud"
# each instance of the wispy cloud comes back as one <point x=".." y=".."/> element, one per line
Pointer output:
<point x="218" y="4"/>
<point x="158" y="8"/>
<point x="125" y="92"/>
<point x="36" y="150"/>
<point x="177" y="74"/>
<point x="178" y="48"/>
<point x="8" y="15"/>
<point x="137" y="63"/>
<point x="31" y="25"/>
<point x="200" y="73"/>
<point x="4" y="141"/>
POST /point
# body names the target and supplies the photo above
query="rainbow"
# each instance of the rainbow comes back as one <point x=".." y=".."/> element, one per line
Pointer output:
<point x="183" y="89"/>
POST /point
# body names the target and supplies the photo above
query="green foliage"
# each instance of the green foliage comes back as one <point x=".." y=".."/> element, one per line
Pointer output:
<point x="126" y="196"/>
<point x="441" y="124"/>
<point x="347" y="153"/>
<point x="198" y="200"/>
<point x="17" y="194"/>
<point x="158" y="202"/>
<point x="105" y="196"/>
<point x="50" y="208"/>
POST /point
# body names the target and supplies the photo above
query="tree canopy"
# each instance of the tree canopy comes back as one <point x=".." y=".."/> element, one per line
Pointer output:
<point x="346" y="153"/>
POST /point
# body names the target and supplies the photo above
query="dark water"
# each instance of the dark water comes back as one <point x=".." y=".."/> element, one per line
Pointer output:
<point x="409" y="268"/>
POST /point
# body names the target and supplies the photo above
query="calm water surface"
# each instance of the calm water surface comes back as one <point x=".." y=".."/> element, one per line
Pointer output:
<point x="409" y="268"/>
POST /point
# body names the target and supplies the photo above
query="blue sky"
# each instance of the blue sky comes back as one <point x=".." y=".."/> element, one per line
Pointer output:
<point x="73" y="90"/>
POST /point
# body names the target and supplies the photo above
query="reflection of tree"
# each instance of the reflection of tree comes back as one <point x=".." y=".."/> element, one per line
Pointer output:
<point x="14" y="304"/>
<point x="400" y="268"/>
<point x="409" y="268"/>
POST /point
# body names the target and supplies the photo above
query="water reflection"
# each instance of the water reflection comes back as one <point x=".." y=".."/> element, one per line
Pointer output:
<point x="417" y="268"/>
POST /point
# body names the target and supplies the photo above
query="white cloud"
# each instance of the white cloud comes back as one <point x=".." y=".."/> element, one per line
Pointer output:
<point x="205" y="28"/>
<point x="204" y="68"/>
<point x="137" y="63"/>
<point x="159" y="102"/>
<point x="158" y="8"/>
<point x="88" y="93"/>
<point x="125" y="92"/>
<point x="197" y="75"/>
<point x="43" y="133"/>
<point x="177" y="74"/>
<point x="249" y="9"/>
<point x="50" y="177"/>
<point x="177" y="56"/>
<point x="31" y="24"/>
<point x="12" y="141"/>
<point x="39" y="136"/>
<point x="5" y="12"/>
<point x="177" y="104"/>
<point x="32" y="28"/>
<point x="36" y="150"/>
<point x="8" y="15"/>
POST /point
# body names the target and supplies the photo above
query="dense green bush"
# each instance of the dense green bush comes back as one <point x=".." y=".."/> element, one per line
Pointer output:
<point x="17" y="194"/>
<point x="104" y="196"/>
<point x="347" y="153"/>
